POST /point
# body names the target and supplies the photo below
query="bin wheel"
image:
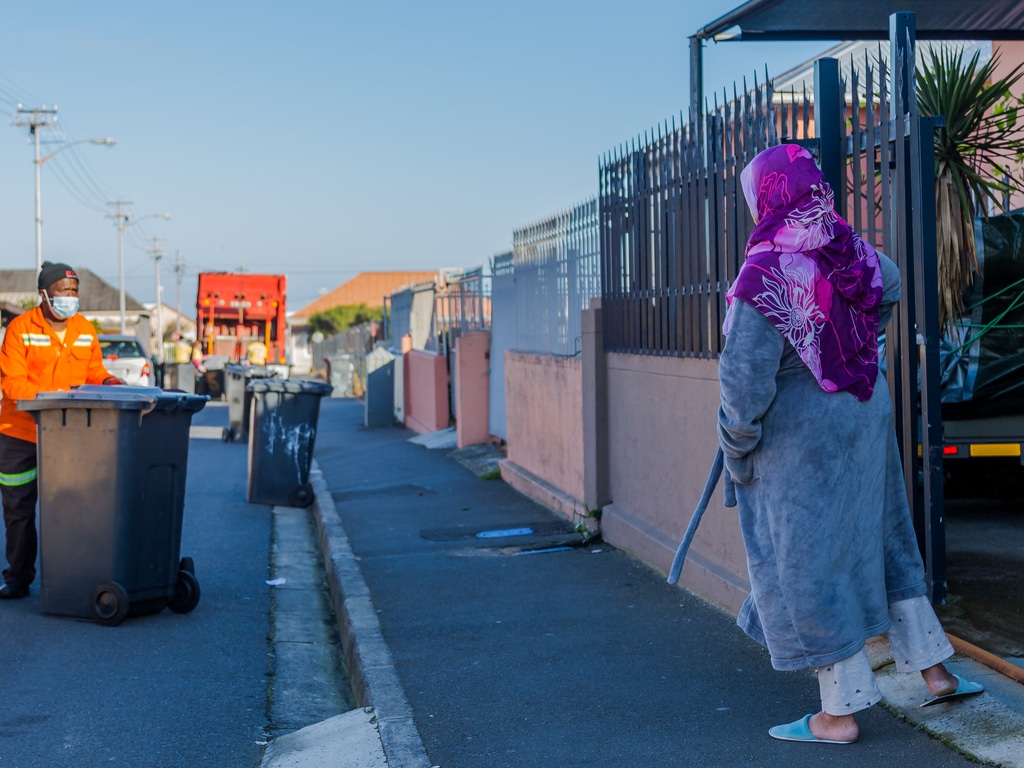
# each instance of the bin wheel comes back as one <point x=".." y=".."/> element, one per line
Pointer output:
<point x="226" y="435"/>
<point x="301" y="496"/>
<point x="110" y="603"/>
<point x="187" y="564"/>
<point x="186" y="593"/>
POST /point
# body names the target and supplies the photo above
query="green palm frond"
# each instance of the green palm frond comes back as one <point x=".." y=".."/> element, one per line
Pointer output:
<point x="978" y="156"/>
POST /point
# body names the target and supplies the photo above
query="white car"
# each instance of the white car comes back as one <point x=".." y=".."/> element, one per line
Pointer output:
<point x="123" y="357"/>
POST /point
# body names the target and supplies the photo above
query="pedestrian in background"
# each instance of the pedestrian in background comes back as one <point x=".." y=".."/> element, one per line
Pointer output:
<point x="46" y="349"/>
<point x="806" y="426"/>
<point x="256" y="354"/>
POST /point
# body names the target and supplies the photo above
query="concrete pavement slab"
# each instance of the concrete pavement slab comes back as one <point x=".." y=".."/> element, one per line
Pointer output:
<point x="349" y="740"/>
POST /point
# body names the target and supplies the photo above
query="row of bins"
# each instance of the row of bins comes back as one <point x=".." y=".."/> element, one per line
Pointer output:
<point x="111" y="471"/>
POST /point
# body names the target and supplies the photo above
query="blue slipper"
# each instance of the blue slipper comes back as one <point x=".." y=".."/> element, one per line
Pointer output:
<point x="963" y="688"/>
<point x="800" y="730"/>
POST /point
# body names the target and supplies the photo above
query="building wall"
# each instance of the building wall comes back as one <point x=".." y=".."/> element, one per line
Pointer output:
<point x="426" y="391"/>
<point x="472" y="353"/>
<point x="655" y="419"/>
<point x="544" y="421"/>
<point x="662" y="440"/>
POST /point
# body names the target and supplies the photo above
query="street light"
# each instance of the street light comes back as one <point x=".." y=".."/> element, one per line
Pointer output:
<point x="125" y="221"/>
<point x="39" y="119"/>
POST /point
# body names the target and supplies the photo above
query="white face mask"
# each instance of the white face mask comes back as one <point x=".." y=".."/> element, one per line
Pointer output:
<point x="63" y="306"/>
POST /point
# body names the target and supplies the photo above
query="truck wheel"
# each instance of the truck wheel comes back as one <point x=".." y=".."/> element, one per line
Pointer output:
<point x="186" y="593"/>
<point x="302" y="496"/>
<point x="109" y="603"/>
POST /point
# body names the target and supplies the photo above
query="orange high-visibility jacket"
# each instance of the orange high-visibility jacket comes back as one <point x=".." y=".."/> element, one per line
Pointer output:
<point x="33" y="359"/>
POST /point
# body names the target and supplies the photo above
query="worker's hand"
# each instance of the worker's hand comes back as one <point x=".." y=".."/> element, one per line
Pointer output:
<point x="112" y="380"/>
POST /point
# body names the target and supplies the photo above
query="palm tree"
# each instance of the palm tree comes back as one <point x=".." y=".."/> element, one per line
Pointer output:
<point x="978" y="157"/>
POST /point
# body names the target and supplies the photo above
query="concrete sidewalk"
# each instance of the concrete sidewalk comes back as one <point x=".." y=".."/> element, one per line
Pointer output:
<point x="482" y="631"/>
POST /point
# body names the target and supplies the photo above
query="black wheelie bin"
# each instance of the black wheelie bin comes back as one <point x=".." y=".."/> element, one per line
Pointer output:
<point x="282" y="432"/>
<point x="112" y="466"/>
<point x="239" y="397"/>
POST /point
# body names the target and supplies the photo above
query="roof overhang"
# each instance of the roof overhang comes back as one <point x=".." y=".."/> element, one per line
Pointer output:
<point x="770" y="20"/>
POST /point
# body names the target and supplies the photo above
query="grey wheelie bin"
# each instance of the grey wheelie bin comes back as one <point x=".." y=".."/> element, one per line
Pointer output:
<point x="282" y="432"/>
<point x="239" y="397"/>
<point x="180" y="376"/>
<point x="112" y="465"/>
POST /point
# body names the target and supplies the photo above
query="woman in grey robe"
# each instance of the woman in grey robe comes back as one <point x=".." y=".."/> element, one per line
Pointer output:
<point x="808" y="439"/>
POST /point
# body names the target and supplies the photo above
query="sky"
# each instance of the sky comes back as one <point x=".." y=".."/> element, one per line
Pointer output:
<point x="323" y="138"/>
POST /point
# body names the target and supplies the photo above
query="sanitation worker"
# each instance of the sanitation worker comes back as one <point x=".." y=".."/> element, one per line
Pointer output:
<point x="257" y="353"/>
<point x="46" y="349"/>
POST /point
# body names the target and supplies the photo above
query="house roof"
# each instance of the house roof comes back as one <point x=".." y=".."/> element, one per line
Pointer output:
<point x="851" y="54"/>
<point x="367" y="288"/>
<point x="867" y="20"/>
<point x="95" y="294"/>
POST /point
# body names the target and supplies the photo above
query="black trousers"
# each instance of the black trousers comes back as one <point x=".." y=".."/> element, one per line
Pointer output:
<point x="20" y="491"/>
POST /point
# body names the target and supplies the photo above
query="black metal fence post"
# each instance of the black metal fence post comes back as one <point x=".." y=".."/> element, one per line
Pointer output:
<point x="828" y="128"/>
<point x="914" y="220"/>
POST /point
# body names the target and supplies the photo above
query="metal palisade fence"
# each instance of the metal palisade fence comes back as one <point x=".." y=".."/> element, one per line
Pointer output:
<point x="461" y="305"/>
<point x="674" y="224"/>
<point x="557" y="267"/>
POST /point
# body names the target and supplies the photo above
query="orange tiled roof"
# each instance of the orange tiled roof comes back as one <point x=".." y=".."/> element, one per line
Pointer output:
<point x="367" y="288"/>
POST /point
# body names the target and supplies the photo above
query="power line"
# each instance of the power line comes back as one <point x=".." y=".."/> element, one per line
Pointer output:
<point x="84" y="169"/>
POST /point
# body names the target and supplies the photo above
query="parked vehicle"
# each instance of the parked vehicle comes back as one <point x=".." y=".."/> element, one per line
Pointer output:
<point x="123" y="357"/>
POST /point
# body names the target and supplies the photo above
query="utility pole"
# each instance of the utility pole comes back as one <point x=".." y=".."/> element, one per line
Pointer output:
<point x="179" y="270"/>
<point x="34" y="119"/>
<point x="157" y="253"/>
<point x="121" y="217"/>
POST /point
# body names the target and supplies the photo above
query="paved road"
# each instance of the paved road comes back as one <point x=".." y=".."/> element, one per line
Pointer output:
<point x="166" y="689"/>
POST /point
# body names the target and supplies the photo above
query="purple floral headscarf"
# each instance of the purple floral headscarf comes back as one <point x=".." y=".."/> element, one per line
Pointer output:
<point x="809" y="273"/>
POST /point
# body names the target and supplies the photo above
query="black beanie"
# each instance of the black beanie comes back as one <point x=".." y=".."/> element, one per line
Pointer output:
<point x="51" y="273"/>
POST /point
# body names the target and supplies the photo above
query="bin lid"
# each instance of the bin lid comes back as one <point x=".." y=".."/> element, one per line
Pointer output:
<point x="115" y="397"/>
<point x="251" y="371"/>
<point x="291" y="386"/>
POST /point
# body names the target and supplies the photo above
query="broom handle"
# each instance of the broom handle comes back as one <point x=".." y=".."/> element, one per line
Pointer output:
<point x="691" y="529"/>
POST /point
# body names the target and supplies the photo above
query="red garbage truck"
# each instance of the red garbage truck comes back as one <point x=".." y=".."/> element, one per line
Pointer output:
<point x="236" y="309"/>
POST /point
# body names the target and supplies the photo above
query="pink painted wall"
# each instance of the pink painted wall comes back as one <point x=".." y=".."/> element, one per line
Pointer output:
<point x="472" y="373"/>
<point x="544" y="414"/>
<point x="662" y="415"/>
<point x="426" y="391"/>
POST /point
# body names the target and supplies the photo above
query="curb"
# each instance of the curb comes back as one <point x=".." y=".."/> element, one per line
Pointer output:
<point x="367" y="657"/>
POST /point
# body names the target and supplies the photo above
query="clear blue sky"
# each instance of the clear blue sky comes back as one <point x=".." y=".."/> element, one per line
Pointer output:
<point x="324" y="138"/>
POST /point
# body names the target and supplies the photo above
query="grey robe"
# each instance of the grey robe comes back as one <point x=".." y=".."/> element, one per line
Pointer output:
<point x="822" y="504"/>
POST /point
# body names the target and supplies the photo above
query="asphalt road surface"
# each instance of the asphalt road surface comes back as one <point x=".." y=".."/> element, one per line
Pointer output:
<point x="164" y="689"/>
